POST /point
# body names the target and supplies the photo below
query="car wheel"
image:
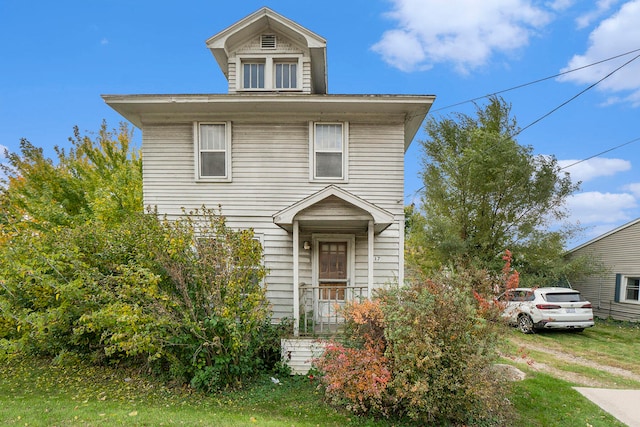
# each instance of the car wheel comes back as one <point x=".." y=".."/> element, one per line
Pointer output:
<point x="525" y="324"/>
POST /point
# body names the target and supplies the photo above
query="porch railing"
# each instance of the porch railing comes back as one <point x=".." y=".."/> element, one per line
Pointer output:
<point x="320" y="307"/>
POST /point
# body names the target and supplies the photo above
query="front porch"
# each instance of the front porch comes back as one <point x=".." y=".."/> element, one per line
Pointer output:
<point x="320" y="308"/>
<point x="321" y="319"/>
<point x="334" y="237"/>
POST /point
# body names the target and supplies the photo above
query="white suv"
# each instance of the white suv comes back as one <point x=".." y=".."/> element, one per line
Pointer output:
<point x="546" y="308"/>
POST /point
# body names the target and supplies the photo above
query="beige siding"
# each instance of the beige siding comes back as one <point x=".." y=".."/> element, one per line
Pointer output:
<point x="270" y="171"/>
<point x="284" y="46"/>
<point x="619" y="252"/>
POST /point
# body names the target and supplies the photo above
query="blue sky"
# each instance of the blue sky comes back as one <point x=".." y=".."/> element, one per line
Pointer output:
<point x="59" y="57"/>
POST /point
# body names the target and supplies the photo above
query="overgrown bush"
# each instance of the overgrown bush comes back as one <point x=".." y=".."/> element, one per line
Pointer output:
<point x="84" y="272"/>
<point x="428" y="357"/>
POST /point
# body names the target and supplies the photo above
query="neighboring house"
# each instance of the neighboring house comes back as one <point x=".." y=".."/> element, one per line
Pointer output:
<point x="616" y="292"/>
<point x="320" y="178"/>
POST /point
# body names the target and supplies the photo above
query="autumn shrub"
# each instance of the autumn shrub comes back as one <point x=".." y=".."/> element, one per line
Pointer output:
<point x="84" y="272"/>
<point x="356" y="373"/>
<point x="428" y="359"/>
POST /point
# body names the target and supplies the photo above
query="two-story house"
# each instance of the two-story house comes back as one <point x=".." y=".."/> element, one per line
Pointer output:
<point x="319" y="177"/>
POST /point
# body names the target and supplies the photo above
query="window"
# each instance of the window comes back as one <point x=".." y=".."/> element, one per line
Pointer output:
<point x="632" y="289"/>
<point x="253" y="75"/>
<point x="269" y="72"/>
<point x="286" y="75"/>
<point x="329" y="151"/>
<point x="213" y="151"/>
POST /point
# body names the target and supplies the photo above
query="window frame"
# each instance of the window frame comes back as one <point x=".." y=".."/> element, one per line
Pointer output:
<point x="624" y="286"/>
<point x="258" y="62"/>
<point x="270" y="61"/>
<point x="313" y="177"/>
<point x="199" y="177"/>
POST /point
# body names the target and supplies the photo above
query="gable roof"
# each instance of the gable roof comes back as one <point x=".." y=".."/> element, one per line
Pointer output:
<point x="381" y="218"/>
<point x="607" y="234"/>
<point x="263" y="20"/>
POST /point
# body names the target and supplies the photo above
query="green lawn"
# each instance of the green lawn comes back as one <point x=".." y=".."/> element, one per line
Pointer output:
<point x="38" y="393"/>
<point x="545" y="400"/>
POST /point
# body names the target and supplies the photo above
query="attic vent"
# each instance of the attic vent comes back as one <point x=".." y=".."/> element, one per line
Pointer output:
<point x="268" y="41"/>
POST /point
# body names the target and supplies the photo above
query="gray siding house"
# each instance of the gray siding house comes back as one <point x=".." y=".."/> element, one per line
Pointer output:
<point x="615" y="293"/>
<point x="319" y="177"/>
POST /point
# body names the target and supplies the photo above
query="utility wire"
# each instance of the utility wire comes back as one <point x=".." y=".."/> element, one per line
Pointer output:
<point x="601" y="153"/>
<point x="556" y="109"/>
<point x="536" y="81"/>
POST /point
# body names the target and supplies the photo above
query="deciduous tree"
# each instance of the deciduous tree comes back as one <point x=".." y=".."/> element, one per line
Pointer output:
<point x="484" y="193"/>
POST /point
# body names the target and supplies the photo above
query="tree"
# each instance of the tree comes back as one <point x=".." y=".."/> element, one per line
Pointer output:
<point x="484" y="193"/>
<point x="96" y="178"/>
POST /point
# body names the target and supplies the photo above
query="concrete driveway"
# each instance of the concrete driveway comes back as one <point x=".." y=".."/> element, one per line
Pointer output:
<point x="622" y="404"/>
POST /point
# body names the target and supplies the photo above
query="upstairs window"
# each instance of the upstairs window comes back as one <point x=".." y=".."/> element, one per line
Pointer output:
<point x="269" y="73"/>
<point x="286" y="75"/>
<point x="213" y="151"/>
<point x="328" y="151"/>
<point x="253" y="75"/>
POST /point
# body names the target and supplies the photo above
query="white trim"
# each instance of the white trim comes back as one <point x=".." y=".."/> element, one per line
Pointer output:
<point x="382" y="218"/>
<point x="401" y="224"/>
<point x="227" y="158"/>
<point x="296" y="279"/>
<point x="370" y="258"/>
<point x="623" y="288"/>
<point x="312" y="153"/>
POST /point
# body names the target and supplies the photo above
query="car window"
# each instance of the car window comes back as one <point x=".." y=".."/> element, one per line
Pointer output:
<point x="564" y="297"/>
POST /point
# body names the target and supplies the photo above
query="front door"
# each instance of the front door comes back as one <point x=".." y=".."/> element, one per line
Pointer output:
<point x="333" y="278"/>
<point x="332" y="270"/>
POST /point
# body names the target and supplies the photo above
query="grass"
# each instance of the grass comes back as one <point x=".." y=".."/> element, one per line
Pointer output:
<point x="545" y="400"/>
<point x="36" y="392"/>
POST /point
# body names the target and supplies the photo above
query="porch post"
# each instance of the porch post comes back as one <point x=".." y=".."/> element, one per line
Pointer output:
<point x="370" y="259"/>
<point x="296" y="288"/>
<point x="401" y="225"/>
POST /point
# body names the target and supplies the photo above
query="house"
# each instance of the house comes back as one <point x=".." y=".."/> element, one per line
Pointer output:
<point x="319" y="177"/>
<point x="614" y="293"/>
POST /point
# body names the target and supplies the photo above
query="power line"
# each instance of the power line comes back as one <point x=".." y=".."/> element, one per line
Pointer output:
<point x="601" y="153"/>
<point x="556" y="109"/>
<point x="537" y="81"/>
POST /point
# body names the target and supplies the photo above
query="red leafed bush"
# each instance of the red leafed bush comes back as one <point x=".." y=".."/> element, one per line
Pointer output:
<point x="355" y="377"/>
<point x="423" y="351"/>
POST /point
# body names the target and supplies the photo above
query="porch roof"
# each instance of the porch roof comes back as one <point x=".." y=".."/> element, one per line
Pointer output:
<point x="333" y="208"/>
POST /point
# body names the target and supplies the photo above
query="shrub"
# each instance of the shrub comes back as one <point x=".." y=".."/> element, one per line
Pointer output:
<point x="356" y="375"/>
<point x="422" y="351"/>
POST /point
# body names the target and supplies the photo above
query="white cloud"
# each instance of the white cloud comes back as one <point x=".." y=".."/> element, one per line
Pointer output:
<point x="594" y="168"/>
<point x="560" y="5"/>
<point x="463" y="32"/>
<point x="104" y="41"/>
<point x="617" y="34"/>
<point x="633" y="188"/>
<point x="597" y="208"/>
<point x="602" y="6"/>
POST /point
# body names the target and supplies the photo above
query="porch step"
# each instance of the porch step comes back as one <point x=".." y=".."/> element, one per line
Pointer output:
<point x="298" y="353"/>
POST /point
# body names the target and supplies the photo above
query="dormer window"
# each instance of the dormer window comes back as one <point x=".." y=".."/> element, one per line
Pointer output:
<point x="270" y="72"/>
<point x="286" y="75"/>
<point x="253" y="75"/>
